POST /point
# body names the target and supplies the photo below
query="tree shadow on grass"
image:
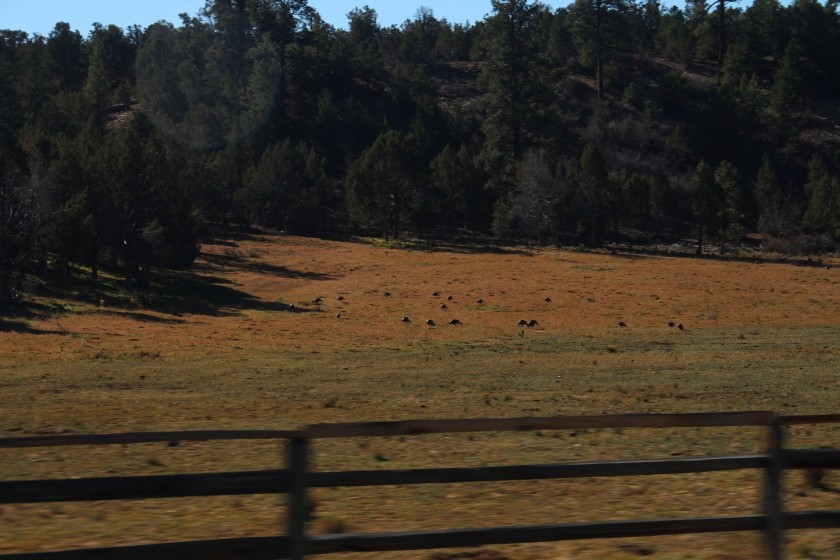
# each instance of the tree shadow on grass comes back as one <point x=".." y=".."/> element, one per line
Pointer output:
<point x="202" y="294"/>
<point x="23" y="327"/>
<point x="240" y="262"/>
<point x="431" y="244"/>
<point x="139" y="316"/>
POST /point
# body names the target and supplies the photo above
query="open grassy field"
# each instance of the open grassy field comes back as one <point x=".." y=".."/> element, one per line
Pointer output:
<point x="243" y="344"/>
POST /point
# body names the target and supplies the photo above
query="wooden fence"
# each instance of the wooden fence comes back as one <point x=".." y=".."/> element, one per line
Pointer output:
<point x="296" y="479"/>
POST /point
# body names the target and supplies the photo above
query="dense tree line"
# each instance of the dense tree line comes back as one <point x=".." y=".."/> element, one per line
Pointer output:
<point x="585" y="123"/>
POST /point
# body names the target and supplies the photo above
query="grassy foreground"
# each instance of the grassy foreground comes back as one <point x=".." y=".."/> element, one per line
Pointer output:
<point x="244" y="344"/>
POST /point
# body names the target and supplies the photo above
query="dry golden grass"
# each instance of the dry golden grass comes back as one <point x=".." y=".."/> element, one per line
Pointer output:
<point x="225" y="349"/>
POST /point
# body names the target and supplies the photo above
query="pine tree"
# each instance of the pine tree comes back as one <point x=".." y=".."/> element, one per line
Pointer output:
<point x="599" y="31"/>
<point x="822" y="214"/>
<point x="787" y="82"/>
<point x="706" y="198"/>
<point x="66" y="57"/>
<point x="517" y="97"/>
<point x="532" y="205"/>
<point x="594" y="187"/>
<point x="731" y="218"/>
<point x="381" y="182"/>
<point x="97" y="90"/>
<point x="283" y="20"/>
<point x="768" y="198"/>
<point x="462" y="186"/>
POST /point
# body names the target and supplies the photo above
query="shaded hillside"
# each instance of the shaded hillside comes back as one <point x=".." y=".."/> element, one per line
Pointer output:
<point x="600" y="123"/>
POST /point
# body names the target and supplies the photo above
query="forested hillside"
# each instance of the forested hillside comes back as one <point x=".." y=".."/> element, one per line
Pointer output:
<point x="605" y="121"/>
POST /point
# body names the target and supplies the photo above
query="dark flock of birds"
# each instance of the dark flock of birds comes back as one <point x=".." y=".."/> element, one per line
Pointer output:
<point x="443" y="307"/>
<point x="456" y="322"/>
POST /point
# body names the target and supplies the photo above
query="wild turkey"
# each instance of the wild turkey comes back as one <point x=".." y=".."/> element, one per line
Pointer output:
<point x="405" y="319"/>
<point x="622" y="324"/>
<point x="533" y="323"/>
<point x="522" y="323"/>
<point x="455" y="322"/>
<point x="547" y="300"/>
<point x="430" y="323"/>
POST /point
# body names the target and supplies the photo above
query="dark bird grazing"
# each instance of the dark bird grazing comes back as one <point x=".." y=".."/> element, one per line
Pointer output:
<point x="533" y="323"/>
<point x="547" y="300"/>
<point x="622" y="324"/>
<point x="405" y="319"/>
<point x="430" y="323"/>
<point x="387" y="294"/>
<point x="671" y="324"/>
<point x="340" y="298"/>
<point x="681" y="327"/>
<point x="449" y="298"/>
<point x="479" y="301"/>
<point x="443" y="306"/>
<point x="436" y="294"/>
<point x="317" y="300"/>
<point x="455" y="322"/>
<point x="522" y="322"/>
<point x="338" y="315"/>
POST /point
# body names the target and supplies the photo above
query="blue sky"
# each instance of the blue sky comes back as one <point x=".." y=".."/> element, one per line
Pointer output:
<point x="40" y="16"/>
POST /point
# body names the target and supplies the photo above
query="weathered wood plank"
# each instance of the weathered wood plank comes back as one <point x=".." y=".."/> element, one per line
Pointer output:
<point x="144" y="487"/>
<point x="772" y="499"/>
<point x="811" y="458"/>
<point x="829" y="519"/>
<point x="256" y="548"/>
<point x="535" y="472"/>
<point x="418" y="427"/>
<point x="809" y="419"/>
<point x="298" y="461"/>
<point x="328" y="544"/>
<point x="143" y="437"/>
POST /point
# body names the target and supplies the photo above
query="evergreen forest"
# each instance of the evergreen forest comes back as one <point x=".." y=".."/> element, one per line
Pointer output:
<point x="603" y="122"/>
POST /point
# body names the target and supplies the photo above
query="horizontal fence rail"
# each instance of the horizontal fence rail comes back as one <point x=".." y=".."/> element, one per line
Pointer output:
<point x="531" y="534"/>
<point x="535" y="472"/>
<point x="255" y="548"/>
<point x="144" y="487"/>
<point x="143" y="437"/>
<point x="420" y="427"/>
<point x="297" y="478"/>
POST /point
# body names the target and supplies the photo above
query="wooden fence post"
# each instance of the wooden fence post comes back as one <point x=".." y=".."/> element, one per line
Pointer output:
<point x="772" y="499"/>
<point x="298" y="451"/>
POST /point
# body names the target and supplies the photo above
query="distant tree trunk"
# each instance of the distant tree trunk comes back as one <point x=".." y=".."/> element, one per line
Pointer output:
<point x="699" y="240"/>
<point x="600" y="71"/>
<point x="5" y="285"/>
<point x="94" y="259"/>
<point x="721" y="8"/>
<point x="64" y="269"/>
<point x="599" y="64"/>
<point x="128" y="259"/>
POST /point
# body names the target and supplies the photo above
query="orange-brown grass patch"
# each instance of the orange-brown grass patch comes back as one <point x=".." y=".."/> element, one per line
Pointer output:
<point x="240" y="300"/>
<point x="273" y="331"/>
